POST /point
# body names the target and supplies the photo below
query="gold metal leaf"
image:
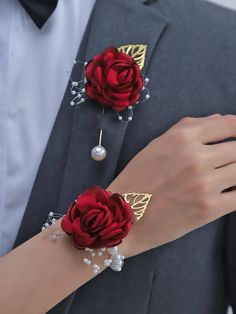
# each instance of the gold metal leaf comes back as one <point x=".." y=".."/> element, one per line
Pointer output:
<point x="137" y="52"/>
<point x="139" y="203"/>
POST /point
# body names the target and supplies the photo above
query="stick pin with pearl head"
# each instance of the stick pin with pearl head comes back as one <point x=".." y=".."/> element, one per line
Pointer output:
<point x="99" y="152"/>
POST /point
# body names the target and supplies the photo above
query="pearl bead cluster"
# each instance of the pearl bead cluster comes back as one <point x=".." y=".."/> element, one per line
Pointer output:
<point x="117" y="259"/>
<point x="51" y="220"/>
<point x="115" y="262"/>
<point x="146" y="96"/>
<point x="78" y="89"/>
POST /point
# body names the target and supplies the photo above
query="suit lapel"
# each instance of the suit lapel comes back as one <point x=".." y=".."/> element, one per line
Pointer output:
<point x="67" y="168"/>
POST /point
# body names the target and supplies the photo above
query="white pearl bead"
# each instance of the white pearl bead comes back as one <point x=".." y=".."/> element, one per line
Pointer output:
<point x="99" y="153"/>
<point x="103" y="249"/>
<point x="112" y="250"/>
<point x="51" y="214"/>
<point x="99" y="253"/>
<point x="147" y="80"/>
<point x="116" y="267"/>
<point x="43" y="228"/>
<point x="46" y="225"/>
<point x="107" y="262"/>
<point x="147" y="96"/>
<point x="75" y="84"/>
<point x="93" y="254"/>
<point x="86" y="261"/>
<point x="130" y="118"/>
<point x="73" y="92"/>
<point x="120" y="118"/>
<point x="130" y="107"/>
<point x="72" y="103"/>
<point x="121" y="263"/>
<point x="95" y="266"/>
<point x="53" y="221"/>
<point x="54" y="237"/>
<point x="83" y="90"/>
<point x="116" y="257"/>
<point x="79" y="96"/>
<point x="95" y="271"/>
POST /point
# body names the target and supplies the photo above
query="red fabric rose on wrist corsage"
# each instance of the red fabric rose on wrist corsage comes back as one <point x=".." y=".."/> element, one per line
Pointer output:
<point x="98" y="219"/>
<point x="114" y="79"/>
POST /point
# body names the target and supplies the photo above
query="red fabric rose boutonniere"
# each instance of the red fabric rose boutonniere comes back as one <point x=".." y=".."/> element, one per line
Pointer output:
<point x="114" y="79"/>
<point x="98" y="219"/>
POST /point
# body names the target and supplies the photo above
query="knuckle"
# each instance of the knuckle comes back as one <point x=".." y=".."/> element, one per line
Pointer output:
<point x="186" y="121"/>
<point x="181" y="136"/>
<point x="230" y="119"/>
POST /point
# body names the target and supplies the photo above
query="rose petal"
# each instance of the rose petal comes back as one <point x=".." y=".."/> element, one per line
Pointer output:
<point x="121" y="96"/>
<point x="89" y="71"/>
<point x="109" y="53"/>
<point x="108" y="229"/>
<point x="66" y="224"/>
<point x="78" y="230"/>
<point x="111" y="235"/>
<point x="111" y="77"/>
<point x="82" y="242"/>
<point x="98" y="73"/>
<point x="88" y="219"/>
<point x="124" y="57"/>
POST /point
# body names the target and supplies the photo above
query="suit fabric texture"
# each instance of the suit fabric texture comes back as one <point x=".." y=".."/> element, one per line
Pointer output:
<point x="191" y="66"/>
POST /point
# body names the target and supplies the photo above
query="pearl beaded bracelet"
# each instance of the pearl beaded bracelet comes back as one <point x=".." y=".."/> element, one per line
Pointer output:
<point x="97" y="222"/>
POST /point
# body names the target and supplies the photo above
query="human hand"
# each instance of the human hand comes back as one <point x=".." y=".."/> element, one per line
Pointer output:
<point x="186" y="177"/>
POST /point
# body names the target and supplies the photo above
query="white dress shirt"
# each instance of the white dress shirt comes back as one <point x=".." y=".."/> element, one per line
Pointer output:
<point x="34" y="68"/>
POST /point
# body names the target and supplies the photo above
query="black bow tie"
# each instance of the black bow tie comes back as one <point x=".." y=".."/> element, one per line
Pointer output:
<point x="39" y="10"/>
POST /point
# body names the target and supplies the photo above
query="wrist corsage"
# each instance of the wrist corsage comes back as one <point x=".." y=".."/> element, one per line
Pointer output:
<point x="97" y="222"/>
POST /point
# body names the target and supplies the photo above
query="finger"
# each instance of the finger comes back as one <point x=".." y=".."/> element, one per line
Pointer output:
<point x="224" y="177"/>
<point x="216" y="129"/>
<point x="213" y="116"/>
<point x="223" y="154"/>
<point x="228" y="203"/>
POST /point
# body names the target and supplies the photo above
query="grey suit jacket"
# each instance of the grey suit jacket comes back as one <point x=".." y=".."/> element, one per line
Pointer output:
<point x="191" y="63"/>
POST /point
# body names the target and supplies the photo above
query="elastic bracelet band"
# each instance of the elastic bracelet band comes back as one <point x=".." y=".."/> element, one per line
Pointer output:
<point x="97" y="222"/>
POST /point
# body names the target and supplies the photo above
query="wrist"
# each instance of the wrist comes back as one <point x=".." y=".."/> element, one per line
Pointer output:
<point x="124" y="247"/>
